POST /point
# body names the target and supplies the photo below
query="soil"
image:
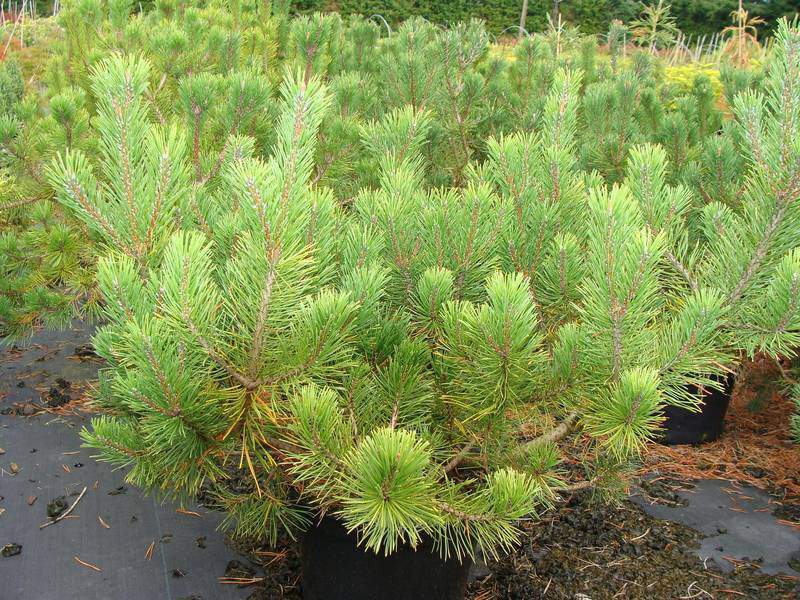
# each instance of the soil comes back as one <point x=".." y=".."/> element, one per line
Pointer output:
<point x="85" y="351"/>
<point x="238" y="569"/>
<point x="606" y="551"/>
<point x="59" y="394"/>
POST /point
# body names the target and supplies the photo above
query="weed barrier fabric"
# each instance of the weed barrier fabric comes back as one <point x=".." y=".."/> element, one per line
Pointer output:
<point x="738" y="523"/>
<point x="48" y="566"/>
<point x="112" y="526"/>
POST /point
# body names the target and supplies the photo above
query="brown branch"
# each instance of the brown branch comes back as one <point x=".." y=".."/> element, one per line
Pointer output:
<point x="263" y="309"/>
<point x="682" y="269"/>
<point x="246" y="382"/>
<point x="127" y="174"/>
<point x="166" y="171"/>
<point x="80" y="197"/>
<point x="580" y="485"/>
<point x="119" y="447"/>
<point x="791" y="309"/>
<point x="462" y="454"/>
<point x="19" y="203"/>
<point x="783" y="200"/>
<point x="450" y="510"/>
<point x="556" y="433"/>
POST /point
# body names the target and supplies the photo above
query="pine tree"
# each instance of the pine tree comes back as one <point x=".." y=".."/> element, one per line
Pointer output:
<point x="217" y="68"/>
<point x="752" y="253"/>
<point x="44" y="263"/>
<point x="384" y="363"/>
<point x="317" y="268"/>
<point x="655" y="27"/>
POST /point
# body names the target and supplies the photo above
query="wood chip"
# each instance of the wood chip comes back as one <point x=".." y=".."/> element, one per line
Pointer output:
<point x="31" y="500"/>
<point x="149" y="552"/>
<point x="14" y="468"/>
<point x="65" y="514"/>
<point x="66" y="469"/>
<point x="103" y="523"/>
<point x="2" y="452"/>
<point x="87" y="565"/>
<point x="191" y="513"/>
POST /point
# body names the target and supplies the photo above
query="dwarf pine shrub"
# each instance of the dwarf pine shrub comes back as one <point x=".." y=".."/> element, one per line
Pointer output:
<point x="398" y="280"/>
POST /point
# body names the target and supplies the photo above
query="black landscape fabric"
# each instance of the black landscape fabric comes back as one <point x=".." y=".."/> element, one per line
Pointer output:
<point x="111" y="527"/>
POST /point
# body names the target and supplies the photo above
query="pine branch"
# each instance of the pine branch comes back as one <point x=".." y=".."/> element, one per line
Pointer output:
<point x="761" y="250"/>
<point x="246" y="382"/>
<point x="683" y="270"/>
<point x="556" y="433"/>
<point x="580" y="485"/>
<point x="463" y="516"/>
<point x="127" y="176"/>
<point x="261" y="319"/>
<point x="79" y="195"/>
<point x="459" y="458"/>
<point x="20" y="203"/>
<point x="791" y="309"/>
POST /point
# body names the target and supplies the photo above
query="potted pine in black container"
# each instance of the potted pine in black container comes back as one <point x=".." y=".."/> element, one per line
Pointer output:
<point x="397" y="379"/>
<point x="747" y="252"/>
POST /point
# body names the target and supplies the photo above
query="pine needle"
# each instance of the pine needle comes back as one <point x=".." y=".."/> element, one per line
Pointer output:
<point x="87" y="565"/>
<point x="148" y="554"/>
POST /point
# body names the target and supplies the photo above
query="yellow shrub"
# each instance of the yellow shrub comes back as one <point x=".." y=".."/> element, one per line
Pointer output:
<point x="683" y="76"/>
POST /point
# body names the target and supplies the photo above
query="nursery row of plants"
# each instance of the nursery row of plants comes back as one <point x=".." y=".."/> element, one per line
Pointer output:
<point x="404" y="282"/>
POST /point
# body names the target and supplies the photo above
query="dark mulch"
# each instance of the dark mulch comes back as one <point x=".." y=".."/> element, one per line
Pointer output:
<point x="606" y="551"/>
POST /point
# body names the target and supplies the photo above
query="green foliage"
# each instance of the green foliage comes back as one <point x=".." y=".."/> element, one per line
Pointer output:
<point x="656" y="27"/>
<point x="752" y="251"/>
<point x="693" y="17"/>
<point x="397" y="279"/>
<point x="12" y="87"/>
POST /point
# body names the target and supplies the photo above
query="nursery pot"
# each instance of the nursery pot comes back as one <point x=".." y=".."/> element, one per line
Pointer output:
<point x="682" y="426"/>
<point x="336" y="568"/>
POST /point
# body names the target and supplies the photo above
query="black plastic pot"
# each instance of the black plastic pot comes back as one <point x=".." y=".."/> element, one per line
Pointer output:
<point x="335" y="568"/>
<point x="686" y="427"/>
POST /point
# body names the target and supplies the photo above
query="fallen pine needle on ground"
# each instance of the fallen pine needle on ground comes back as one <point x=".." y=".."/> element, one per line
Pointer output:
<point x="86" y="564"/>
<point x="240" y="581"/>
<point x="148" y="554"/>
